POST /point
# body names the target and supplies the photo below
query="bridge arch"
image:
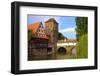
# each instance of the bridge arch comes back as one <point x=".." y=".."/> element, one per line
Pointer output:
<point x="73" y="50"/>
<point x="62" y="50"/>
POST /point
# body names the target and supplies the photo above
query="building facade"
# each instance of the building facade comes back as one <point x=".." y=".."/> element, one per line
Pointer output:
<point x="51" y="30"/>
<point x="38" y="45"/>
<point x="43" y="44"/>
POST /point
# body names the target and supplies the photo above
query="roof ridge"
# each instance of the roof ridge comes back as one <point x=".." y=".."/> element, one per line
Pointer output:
<point x="51" y="19"/>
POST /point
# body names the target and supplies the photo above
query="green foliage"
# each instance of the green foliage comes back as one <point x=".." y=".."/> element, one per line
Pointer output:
<point x="82" y="26"/>
<point x="82" y="47"/>
<point x="29" y="35"/>
<point x="61" y="36"/>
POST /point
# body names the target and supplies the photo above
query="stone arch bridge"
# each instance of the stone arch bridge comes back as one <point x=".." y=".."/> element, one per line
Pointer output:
<point x="67" y="46"/>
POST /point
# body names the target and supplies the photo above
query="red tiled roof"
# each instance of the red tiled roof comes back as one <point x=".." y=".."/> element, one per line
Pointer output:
<point x="34" y="27"/>
<point x="44" y="37"/>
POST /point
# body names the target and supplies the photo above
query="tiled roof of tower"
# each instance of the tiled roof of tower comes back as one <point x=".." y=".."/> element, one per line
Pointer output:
<point x="51" y="20"/>
<point x="34" y="27"/>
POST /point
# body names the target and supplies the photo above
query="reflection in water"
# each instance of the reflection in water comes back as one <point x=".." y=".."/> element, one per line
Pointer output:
<point x="61" y="54"/>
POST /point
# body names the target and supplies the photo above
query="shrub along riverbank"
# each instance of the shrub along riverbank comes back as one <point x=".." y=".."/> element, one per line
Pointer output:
<point x="82" y="47"/>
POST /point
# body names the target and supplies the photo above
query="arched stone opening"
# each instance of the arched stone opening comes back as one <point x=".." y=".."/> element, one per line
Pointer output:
<point x="62" y="50"/>
<point x="73" y="51"/>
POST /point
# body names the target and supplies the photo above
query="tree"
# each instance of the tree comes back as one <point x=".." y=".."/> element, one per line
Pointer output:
<point x="82" y="47"/>
<point x="29" y="35"/>
<point x="82" y="37"/>
<point x="82" y="26"/>
<point x="61" y="36"/>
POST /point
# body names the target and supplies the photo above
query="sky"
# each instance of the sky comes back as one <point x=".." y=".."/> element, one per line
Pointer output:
<point x="66" y="24"/>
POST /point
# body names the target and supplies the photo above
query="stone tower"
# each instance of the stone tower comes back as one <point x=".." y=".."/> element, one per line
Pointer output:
<point x="51" y="27"/>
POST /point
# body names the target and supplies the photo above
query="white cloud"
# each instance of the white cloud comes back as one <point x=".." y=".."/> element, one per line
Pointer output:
<point x="66" y="30"/>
